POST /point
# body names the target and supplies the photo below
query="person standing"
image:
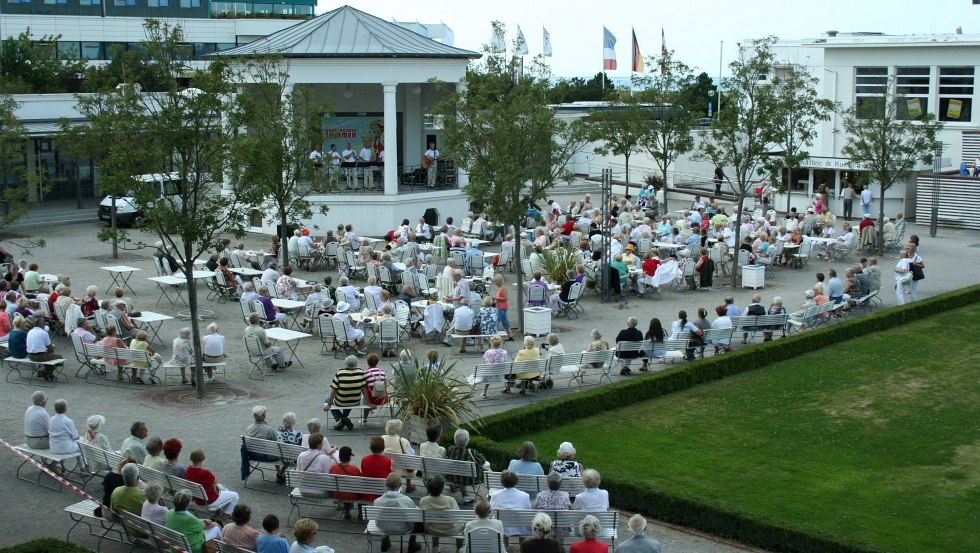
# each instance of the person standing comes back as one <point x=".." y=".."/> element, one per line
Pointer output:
<point x="334" y="159"/>
<point x="366" y="156"/>
<point x="719" y="175"/>
<point x="349" y="156"/>
<point x="866" y="198"/>
<point x="430" y="161"/>
<point x="847" y="194"/>
<point x="316" y="157"/>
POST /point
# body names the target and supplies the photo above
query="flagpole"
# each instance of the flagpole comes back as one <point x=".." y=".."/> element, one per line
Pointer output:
<point x="721" y="53"/>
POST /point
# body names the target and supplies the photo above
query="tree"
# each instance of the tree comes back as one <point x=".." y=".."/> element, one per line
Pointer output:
<point x="577" y="89"/>
<point x="739" y="136"/>
<point x="800" y="110"/>
<point x="890" y="142"/>
<point x="30" y="66"/>
<point x="621" y="128"/>
<point x="125" y="67"/>
<point x="505" y="135"/>
<point x="697" y="92"/>
<point x="669" y="134"/>
<point x="181" y="131"/>
<point x="282" y="124"/>
<point x="19" y="188"/>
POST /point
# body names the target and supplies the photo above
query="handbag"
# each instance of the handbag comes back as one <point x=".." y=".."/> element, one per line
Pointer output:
<point x="917" y="272"/>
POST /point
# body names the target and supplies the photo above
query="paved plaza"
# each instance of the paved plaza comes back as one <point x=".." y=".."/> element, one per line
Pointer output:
<point x="215" y="424"/>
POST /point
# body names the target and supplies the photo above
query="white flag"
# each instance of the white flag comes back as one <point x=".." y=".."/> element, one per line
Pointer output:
<point x="521" y="47"/>
<point x="547" y="43"/>
<point x="497" y="44"/>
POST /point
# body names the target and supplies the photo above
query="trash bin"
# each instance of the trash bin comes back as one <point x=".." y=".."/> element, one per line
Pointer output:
<point x="431" y="217"/>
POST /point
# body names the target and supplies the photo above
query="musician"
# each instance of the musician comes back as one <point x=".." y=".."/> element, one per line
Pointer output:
<point x="366" y="155"/>
<point x="335" y="158"/>
<point x="316" y="157"/>
<point x="349" y="156"/>
<point x="429" y="163"/>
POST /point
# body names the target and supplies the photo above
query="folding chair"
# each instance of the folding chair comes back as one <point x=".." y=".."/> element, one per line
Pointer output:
<point x="256" y="357"/>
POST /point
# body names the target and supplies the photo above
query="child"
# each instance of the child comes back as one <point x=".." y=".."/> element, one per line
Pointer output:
<point x="272" y="541"/>
<point x="432" y="448"/>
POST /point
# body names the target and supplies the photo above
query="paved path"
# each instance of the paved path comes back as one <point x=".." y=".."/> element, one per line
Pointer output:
<point x="952" y="262"/>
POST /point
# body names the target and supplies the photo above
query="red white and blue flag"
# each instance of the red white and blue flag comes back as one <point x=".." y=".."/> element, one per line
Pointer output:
<point x="608" y="49"/>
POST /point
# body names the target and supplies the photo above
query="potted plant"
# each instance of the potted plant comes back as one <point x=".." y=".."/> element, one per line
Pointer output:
<point x="556" y="263"/>
<point x="424" y="396"/>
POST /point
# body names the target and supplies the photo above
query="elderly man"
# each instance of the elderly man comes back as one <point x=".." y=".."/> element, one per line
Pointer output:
<point x="349" y="292"/>
<point x="248" y="292"/>
<point x="37" y="421"/>
<point x="316" y="303"/>
<point x="259" y="428"/>
<point x="125" y="325"/>
<point x="128" y="497"/>
<point x="753" y="309"/>
<point x="629" y="334"/>
<point x="272" y="313"/>
<point x="639" y="542"/>
<point x="461" y="289"/>
<point x="347" y="388"/>
<point x="835" y="287"/>
<point x="39" y="347"/>
<point x="272" y="355"/>
<point x="463" y="319"/>
<point x="394" y="498"/>
<point x="133" y="445"/>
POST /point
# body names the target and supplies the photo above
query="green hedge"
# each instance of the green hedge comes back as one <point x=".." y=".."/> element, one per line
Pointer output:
<point x="689" y="511"/>
<point x="45" y="545"/>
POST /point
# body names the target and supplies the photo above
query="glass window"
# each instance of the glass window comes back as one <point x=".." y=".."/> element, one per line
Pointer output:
<point x="92" y="51"/>
<point x="158" y="3"/>
<point x="225" y="46"/>
<point x="912" y="91"/>
<point x="89" y="2"/>
<point x="870" y="85"/>
<point x="956" y="94"/>
<point x="69" y="50"/>
<point x="190" y="3"/>
<point x="285" y="9"/>
<point x="262" y="8"/>
<point x="202" y="49"/>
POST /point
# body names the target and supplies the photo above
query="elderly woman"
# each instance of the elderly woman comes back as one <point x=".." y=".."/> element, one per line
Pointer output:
<point x="436" y="501"/>
<point x="153" y="508"/>
<point x="775" y="309"/>
<point x="196" y="530"/>
<point x="62" y="434"/>
<point x="526" y="462"/>
<point x="394" y="443"/>
<point x="460" y="451"/>
<point x="184" y="354"/>
<point x="724" y="322"/>
<point x="554" y="499"/>
<point x="90" y="303"/>
<point x="592" y="499"/>
<point x="216" y="495"/>
<point x="141" y="342"/>
<point x="482" y="511"/>
<point x="589" y="528"/>
<point x="529" y="353"/>
<point x="239" y="533"/>
<point x="94" y="437"/>
<point x="510" y="498"/>
<point x="314" y="426"/>
<point x="540" y="542"/>
<point x="171" y="450"/>
<point x="496" y="354"/>
<point x="112" y="340"/>
<point x="213" y="349"/>
<point x="597" y="343"/>
<point x="305" y="532"/>
<point x="565" y="464"/>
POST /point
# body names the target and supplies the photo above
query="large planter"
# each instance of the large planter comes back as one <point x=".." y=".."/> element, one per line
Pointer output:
<point x="416" y="427"/>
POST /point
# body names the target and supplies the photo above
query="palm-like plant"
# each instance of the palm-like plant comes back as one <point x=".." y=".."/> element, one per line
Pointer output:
<point x="556" y="263"/>
<point x="433" y="395"/>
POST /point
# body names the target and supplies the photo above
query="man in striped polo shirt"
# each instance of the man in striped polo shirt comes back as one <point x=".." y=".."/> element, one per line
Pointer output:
<point x="346" y="389"/>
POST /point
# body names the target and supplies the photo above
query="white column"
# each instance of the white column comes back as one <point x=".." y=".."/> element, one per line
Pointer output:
<point x="391" y="140"/>
<point x="463" y="178"/>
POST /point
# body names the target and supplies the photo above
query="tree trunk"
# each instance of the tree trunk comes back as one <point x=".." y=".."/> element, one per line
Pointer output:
<point x="518" y="274"/>
<point x="789" y="187"/>
<point x="284" y="236"/>
<point x="115" y="227"/>
<point x="881" y="219"/>
<point x="627" y="156"/>
<point x="664" y="185"/>
<point x="197" y="371"/>
<point x="738" y="236"/>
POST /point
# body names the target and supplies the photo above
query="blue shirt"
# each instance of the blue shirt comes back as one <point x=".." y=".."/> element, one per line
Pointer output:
<point x="17" y="343"/>
<point x="268" y="543"/>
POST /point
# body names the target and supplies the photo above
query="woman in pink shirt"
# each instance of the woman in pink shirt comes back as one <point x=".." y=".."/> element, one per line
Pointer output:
<point x="113" y="341"/>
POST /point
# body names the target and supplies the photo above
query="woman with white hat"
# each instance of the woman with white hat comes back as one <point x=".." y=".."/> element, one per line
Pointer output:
<point x="565" y="464"/>
<point x="94" y="437"/>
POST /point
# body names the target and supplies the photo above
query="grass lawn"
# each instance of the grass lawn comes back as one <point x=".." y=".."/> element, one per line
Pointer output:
<point x="876" y="440"/>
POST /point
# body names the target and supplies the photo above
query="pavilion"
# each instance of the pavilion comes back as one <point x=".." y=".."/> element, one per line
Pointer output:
<point x="372" y="71"/>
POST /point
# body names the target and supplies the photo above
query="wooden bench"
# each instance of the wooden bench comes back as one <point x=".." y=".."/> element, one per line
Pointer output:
<point x="50" y="459"/>
<point x="34" y="370"/>
<point x="99" y="459"/>
<point x="171" y="370"/>
<point x="396" y="515"/>
<point x="318" y="489"/>
<point x="564" y="523"/>
<point x="754" y="324"/>
<point x="578" y="365"/>
<point x="271" y="453"/>
<point x="83" y="512"/>
<point x="430" y="466"/>
<point x="158" y="538"/>
<point x="95" y="356"/>
<point x="225" y="548"/>
<point x="534" y="483"/>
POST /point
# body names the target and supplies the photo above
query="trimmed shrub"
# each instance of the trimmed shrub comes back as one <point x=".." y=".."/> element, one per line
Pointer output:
<point x="44" y="545"/>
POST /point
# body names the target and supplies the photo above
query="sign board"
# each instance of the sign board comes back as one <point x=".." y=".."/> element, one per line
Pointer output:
<point x="830" y="163"/>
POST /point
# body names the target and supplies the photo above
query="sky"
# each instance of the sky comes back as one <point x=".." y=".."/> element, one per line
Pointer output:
<point x="694" y="29"/>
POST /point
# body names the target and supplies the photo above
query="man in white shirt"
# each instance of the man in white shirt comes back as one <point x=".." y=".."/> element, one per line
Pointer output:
<point x="349" y="292"/>
<point x="463" y="319"/>
<point x="316" y="157"/>
<point x="366" y="155"/>
<point x="866" y="198"/>
<point x="36" y="422"/>
<point x="271" y="274"/>
<point x="133" y="445"/>
<point x="348" y="156"/>
<point x="510" y="498"/>
<point x="430" y="156"/>
<point x="39" y="347"/>
<point x="335" y="158"/>
<point x="354" y="334"/>
<point x="461" y="291"/>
